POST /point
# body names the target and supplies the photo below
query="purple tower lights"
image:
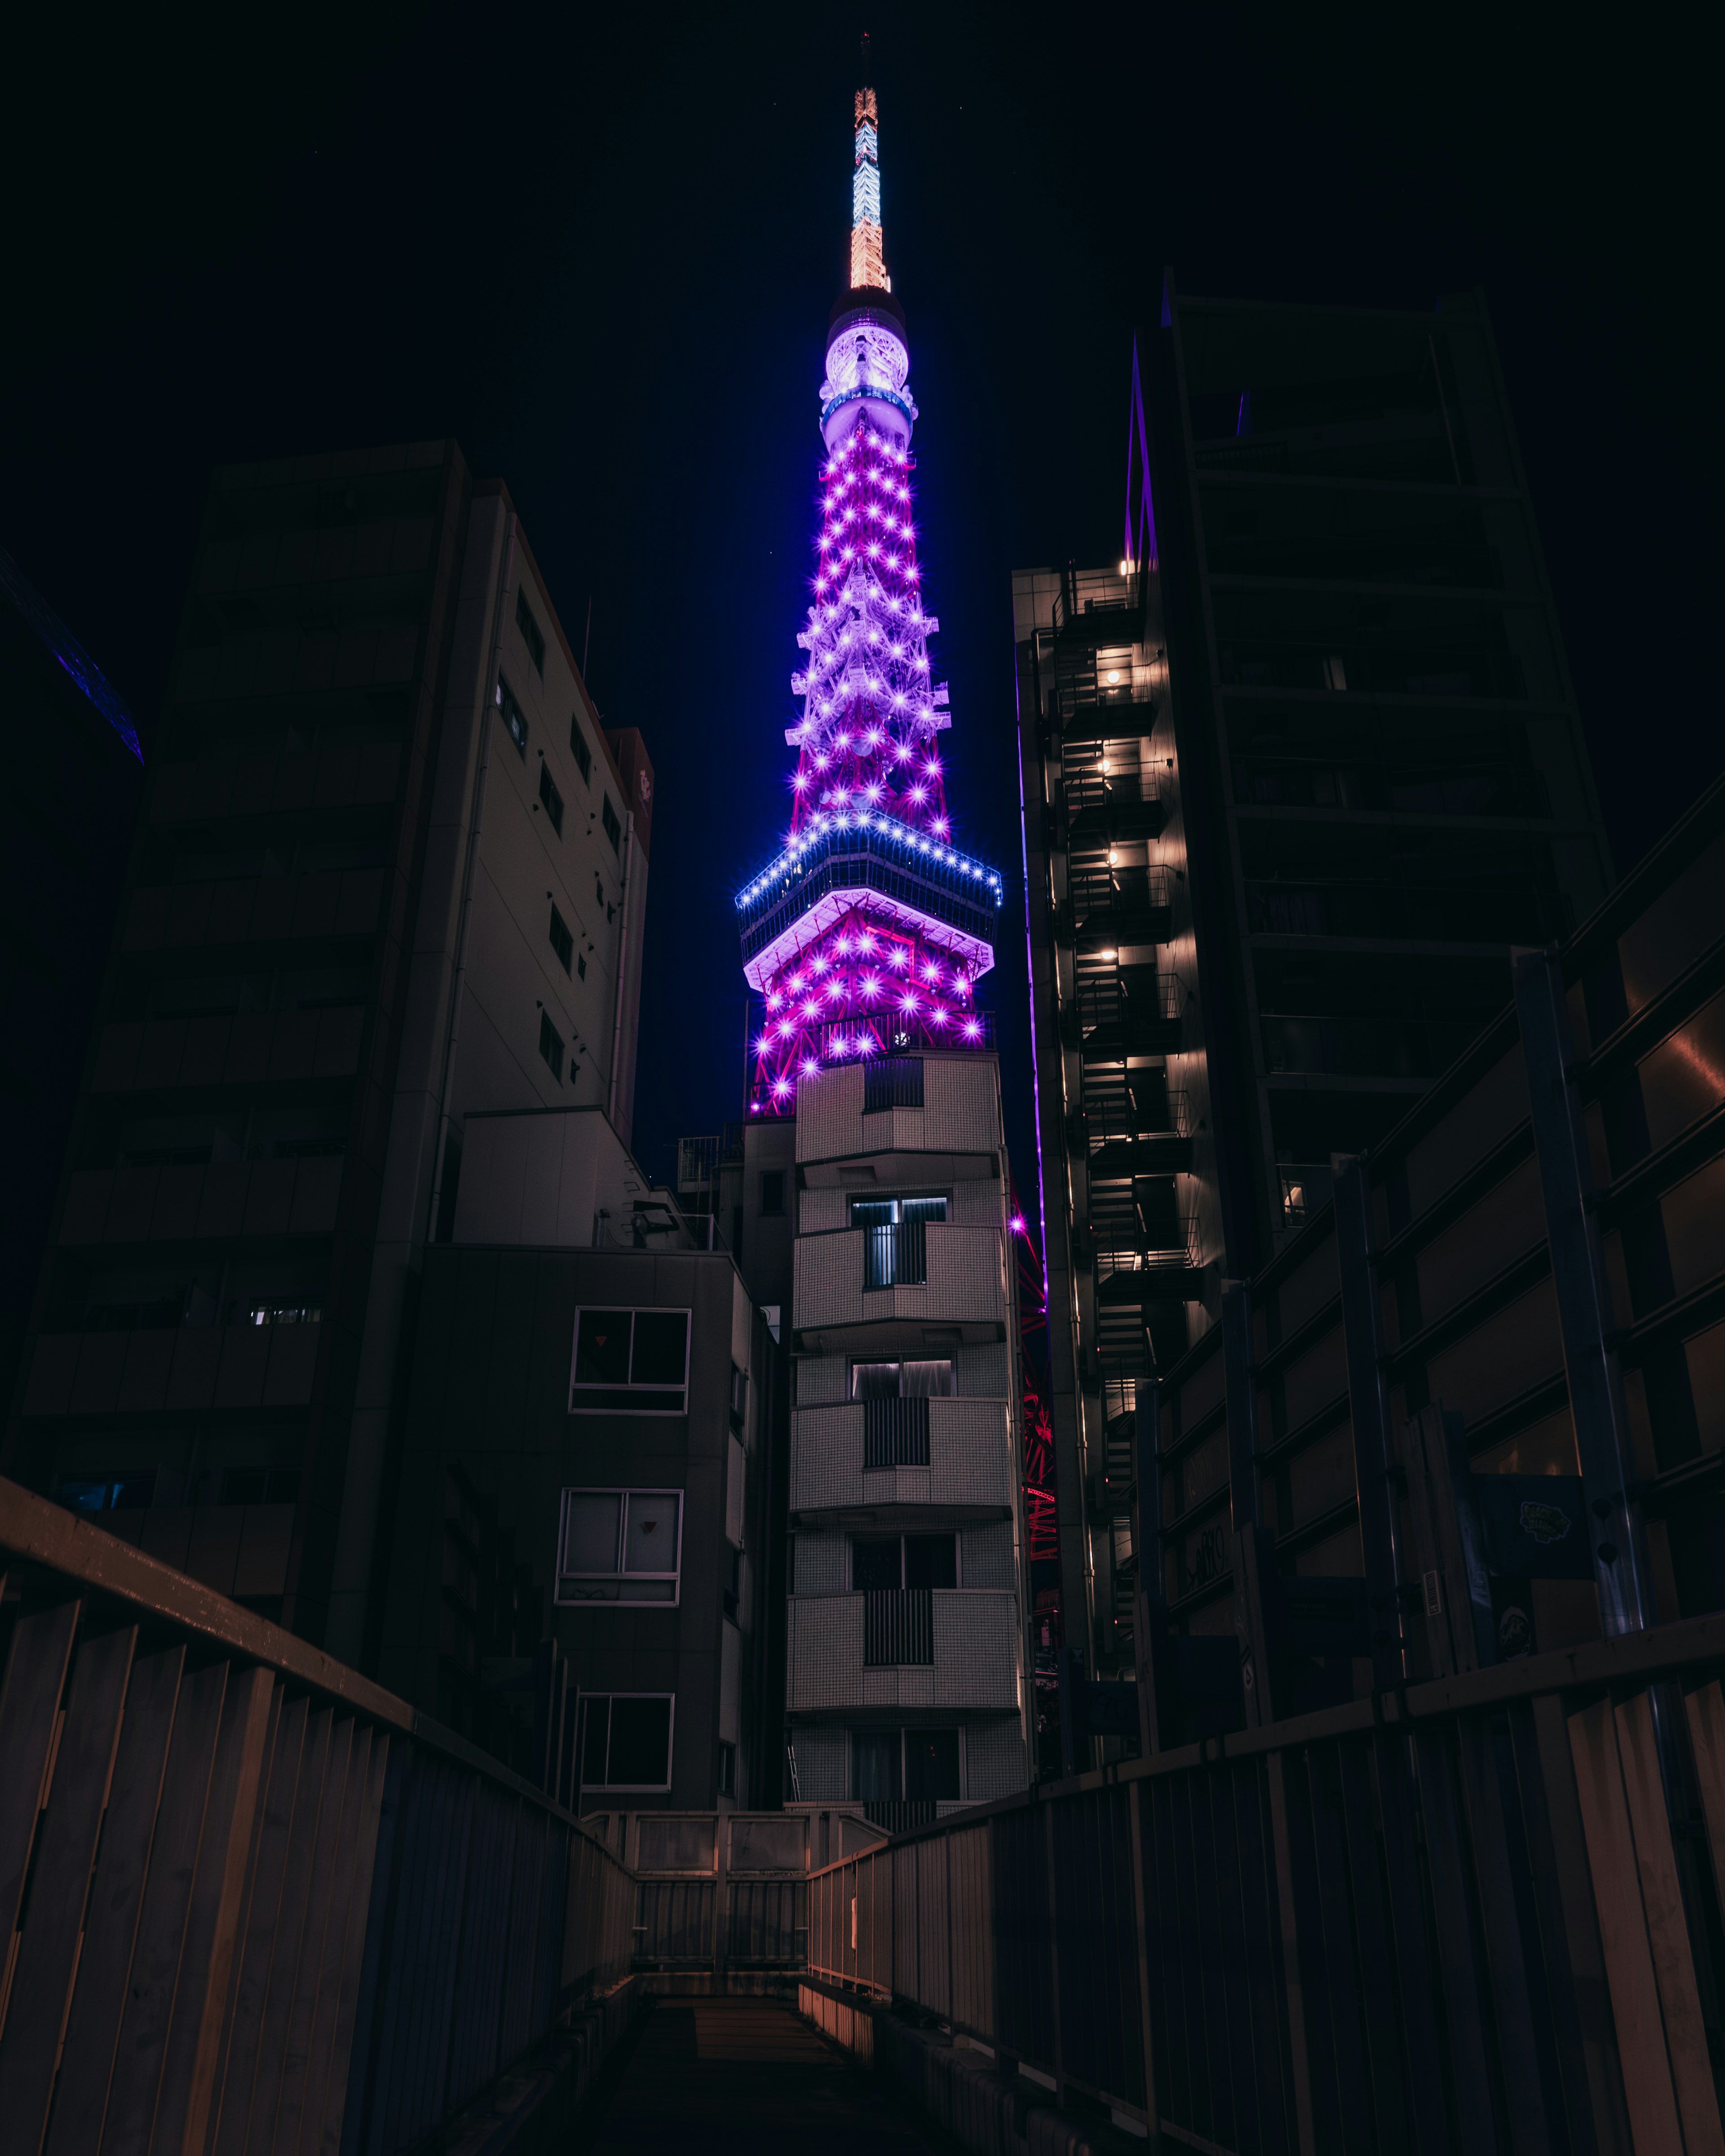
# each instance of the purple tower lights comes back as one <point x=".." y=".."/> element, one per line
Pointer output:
<point x="868" y="934"/>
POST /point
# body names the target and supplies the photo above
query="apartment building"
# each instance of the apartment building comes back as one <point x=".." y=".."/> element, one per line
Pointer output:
<point x="588" y="1438"/>
<point x="1301" y="768"/>
<point x="1475" y="1408"/>
<point x="74" y="776"/>
<point x="905" y="1686"/>
<point x="390" y="868"/>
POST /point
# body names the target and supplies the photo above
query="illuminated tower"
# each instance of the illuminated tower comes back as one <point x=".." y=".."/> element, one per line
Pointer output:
<point x="869" y="932"/>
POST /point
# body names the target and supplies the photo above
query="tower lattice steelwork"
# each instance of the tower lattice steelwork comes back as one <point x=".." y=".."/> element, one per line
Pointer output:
<point x="868" y="934"/>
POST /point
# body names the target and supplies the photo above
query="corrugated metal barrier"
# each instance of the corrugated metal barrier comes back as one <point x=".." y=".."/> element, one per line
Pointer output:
<point x="1457" y="1916"/>
<point x="249" y="1901"/>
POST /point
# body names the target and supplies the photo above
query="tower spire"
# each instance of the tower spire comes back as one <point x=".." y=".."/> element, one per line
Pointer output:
<point x="868" y="261"/>
<point x="868" y="934"/>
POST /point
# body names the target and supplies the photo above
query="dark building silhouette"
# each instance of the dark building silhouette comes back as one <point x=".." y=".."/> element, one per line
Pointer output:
<point x="1300" y="772"/>
<point x="74" y="773"/>
<point x="390" y="868"/>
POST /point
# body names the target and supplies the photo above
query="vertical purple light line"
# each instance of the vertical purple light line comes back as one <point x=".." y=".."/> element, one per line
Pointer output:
<point x="1030" y="994"/>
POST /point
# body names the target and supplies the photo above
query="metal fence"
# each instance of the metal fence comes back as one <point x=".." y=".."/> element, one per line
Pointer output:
<point x="1454" y="1916"/>
<point x="719" y="1893"/>
<point x="244" y="1893"/>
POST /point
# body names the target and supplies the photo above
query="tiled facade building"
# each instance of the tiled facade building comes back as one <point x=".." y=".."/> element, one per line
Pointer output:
<point x="905" y="1688"/>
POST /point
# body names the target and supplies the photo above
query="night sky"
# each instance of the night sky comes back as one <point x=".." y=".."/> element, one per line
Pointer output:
<point x="599" y="249"/>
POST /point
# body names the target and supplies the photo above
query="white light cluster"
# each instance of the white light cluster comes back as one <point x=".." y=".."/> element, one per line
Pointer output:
<point x="822" y="826"/>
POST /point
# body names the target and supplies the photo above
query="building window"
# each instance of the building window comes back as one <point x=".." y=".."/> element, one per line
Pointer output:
<point x="581" y="965"/>
<point x="889" y="1765"/>
<point x="772" y="1193"/>
<point x="552" y="799"/>
<point x="727" y="1770"/>
<point x="902" y="1381"/>
<point x="550" y="1044"/>
<point x="894" y="1242"/>
<point x="621" y="1545"/>
<point x="883" y="1563"/>
<point x="613" y="826"/>
<point x="513" y="719"/>
<point x="561" y="941"/>
<point x="931" y="1766"/>
<point x="532" y="634"/>
<point x="578" y="748"/>
<point x="895" y="1081"/>
<point x="631" y="1361"/>
<point x="1293" y="1196"/>
<point x="623" y="1740"/>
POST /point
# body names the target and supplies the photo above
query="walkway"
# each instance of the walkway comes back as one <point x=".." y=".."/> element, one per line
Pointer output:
<point x="721" y="2075"/>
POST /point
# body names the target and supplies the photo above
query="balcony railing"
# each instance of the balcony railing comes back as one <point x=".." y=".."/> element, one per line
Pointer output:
<point x="895" y="1433"/>
<point x="1116" y="1019"/>
<point x="898" y="1626"/>
<point x="1120" y="806"/>
<point x="1116" y="906"/>
<point x="894" y="1082"/>
<point x="1128" y="1120"/>
<point x="899" y="1815"/>
<point x="895" y="1255"/>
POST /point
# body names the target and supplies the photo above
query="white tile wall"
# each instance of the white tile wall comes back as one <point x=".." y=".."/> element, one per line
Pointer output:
<point x="994" y="1764"/>
<point x="823" y="1763"/>
<point x="970" y="1457"/>
<point x="966" y="1280"/>
<point x="823" y="1565"/>
<point x="961" y="1113"/>
<point x="987" y="1556"/>
<point x="976" y="1652"/>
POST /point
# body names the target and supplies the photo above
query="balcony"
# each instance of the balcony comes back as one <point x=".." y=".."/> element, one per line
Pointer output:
<point x="898" y="1627"/>
<point x="1113" y="615"/>
<point x="1107" y="907"/>
<point x="848" y="1137"/>
<point x="183" y="1368"/>
<point x="899" y="1815"/>
<point x="1143" y="1135"/>
<point x="250" y="1047"/>
<point x="1112" y="810"/>
<point x="973" y="1663"/>
<point x="895" y="1434"/>
<point x="1164" y="1267"/>
<point x="1112" y="1018"/>
<point x="856" y="1461"/>
<point x="216" y="789"/>
<point x="963" y="1301"/>
<point x="190" y="1203"/>
<point x="895" y="1254"/>
<point x="254" y="910"/>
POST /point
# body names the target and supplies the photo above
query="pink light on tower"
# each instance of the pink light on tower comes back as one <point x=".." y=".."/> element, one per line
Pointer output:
<point x="868" y="875"/>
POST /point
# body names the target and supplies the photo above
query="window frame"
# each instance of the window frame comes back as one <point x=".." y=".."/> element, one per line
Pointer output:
<point x="533" y="635"/>
<point x="562" y="939"/>
<point x="578" y="748"/>
<point x="897" y="1364"/>
<point x="775" y="1176"/>
<point x="513" y="718"/>
<point x="620" y="1601"/>
<point x="902" y="1538"/>
<point x="643" y="1789"/>
<point x="549" y="797"/>
<point x="552" y="1045"/>
<point x="613" y="823"/>
<point x="904" y="1731"/>
<point x="633" y="1311"/>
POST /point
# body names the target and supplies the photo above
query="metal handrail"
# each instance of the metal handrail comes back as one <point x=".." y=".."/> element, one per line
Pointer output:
<point x="1421" y="1801"/>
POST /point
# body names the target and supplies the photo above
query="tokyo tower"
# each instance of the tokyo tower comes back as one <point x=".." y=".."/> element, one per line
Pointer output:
<point x="869" y="932"/>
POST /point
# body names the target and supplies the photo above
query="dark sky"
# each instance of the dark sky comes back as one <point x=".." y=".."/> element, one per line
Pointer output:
<point x="598" y="247"/>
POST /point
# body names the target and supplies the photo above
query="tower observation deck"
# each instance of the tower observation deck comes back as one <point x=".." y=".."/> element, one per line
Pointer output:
<point x="867" y="934"/>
